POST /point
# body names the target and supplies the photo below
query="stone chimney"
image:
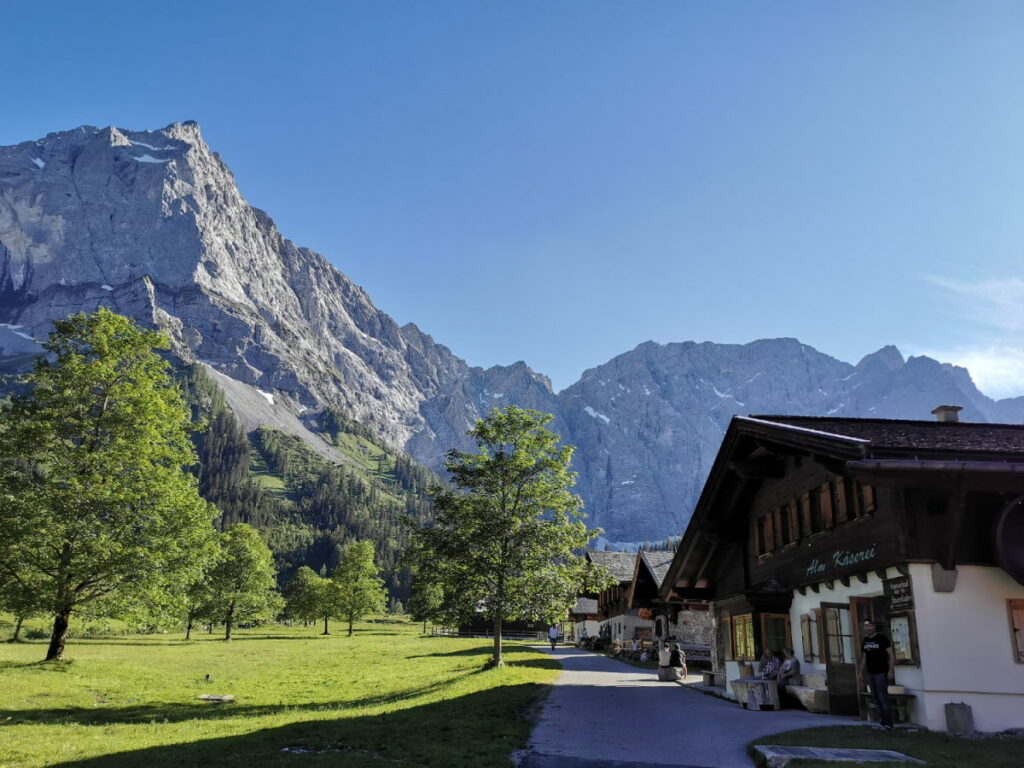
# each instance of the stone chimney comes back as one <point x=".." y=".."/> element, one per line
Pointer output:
<point x="948" y="413"/>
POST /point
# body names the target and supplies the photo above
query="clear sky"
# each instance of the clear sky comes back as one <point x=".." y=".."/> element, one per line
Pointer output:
<point x="558" y="182"/>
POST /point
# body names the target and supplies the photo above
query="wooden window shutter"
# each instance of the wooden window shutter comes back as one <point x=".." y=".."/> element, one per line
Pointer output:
<point x="841" y="500"/>
<point x="853" y="500"/>
<point x="825" y="494"/>
<point x="805" y="514"/>
<point x="794" y="521"/>
<point x="759" y="536"/>
<point x="782" y="526"/>
<point x="805" y="636"/>
<point x="1017" y="628"/>
<point x="819" y="624"/>
<point x="869" y="500"/>
<point x="769" y="533"/>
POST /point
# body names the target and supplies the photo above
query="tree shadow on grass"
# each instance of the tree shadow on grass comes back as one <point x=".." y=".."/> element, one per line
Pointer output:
<point x="480" y="729"/>
<point x="176" y="712"/>
<point x="484" y="649"/>
<point x="545" y="663"/>
<point x="474" y="651"/>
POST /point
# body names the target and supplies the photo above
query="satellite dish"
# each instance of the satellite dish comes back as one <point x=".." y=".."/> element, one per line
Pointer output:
<point x="1010" y="539"/>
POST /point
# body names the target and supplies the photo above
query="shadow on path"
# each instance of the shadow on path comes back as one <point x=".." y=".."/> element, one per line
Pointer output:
<point x="613" y="714"/>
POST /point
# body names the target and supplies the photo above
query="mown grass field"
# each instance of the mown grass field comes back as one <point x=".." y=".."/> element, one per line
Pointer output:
<point x="385" y="697"/>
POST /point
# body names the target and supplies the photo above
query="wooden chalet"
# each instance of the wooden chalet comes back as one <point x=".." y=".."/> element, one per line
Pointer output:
<point x="618" y="620"/>
<point x="644" y="593"/>
<point x="807" y="526"/>
<point x="586" y="621"/>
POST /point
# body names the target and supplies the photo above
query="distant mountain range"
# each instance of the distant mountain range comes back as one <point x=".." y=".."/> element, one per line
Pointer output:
<point x="152" y="224"/>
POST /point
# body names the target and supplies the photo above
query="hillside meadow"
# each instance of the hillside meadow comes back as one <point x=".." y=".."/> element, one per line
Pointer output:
<point x="386" y="696"/>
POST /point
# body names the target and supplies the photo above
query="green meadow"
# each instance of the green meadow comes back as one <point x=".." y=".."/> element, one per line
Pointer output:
<point x="387" y="696"/>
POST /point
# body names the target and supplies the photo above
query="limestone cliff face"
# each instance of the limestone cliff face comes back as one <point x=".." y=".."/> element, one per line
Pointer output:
<point x="152" y="224"/>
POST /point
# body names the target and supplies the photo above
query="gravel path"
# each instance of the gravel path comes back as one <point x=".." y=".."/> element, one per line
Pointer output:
<point x="604" y="713"/>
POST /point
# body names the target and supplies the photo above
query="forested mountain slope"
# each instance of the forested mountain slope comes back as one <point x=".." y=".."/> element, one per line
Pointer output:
<point x="152" y="224"/>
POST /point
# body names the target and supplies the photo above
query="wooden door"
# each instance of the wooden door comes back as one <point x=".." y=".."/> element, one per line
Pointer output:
<point x="840" y="659"/>
<point x="864" y="609"/>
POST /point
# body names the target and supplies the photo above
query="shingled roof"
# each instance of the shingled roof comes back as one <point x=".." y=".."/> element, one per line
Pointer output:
<point x="619" y="564"/>
<point x="658" y="563"/>
<point x="890" y="437"/>
<point x="585" y="606"/>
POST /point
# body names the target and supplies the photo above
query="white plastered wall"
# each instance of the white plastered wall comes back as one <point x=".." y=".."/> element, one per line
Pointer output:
<point x="624" y="625"/>
<point x="966" y="650"/>
<point x="906" y="675"/>
<point x="592" y="626"/>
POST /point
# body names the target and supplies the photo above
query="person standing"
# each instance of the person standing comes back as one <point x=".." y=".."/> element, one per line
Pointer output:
<point x="553" y="635"/>
<point x="878" y="669"/>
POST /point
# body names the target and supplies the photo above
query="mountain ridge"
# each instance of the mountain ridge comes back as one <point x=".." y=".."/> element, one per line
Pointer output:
<point x="152" y="224"/>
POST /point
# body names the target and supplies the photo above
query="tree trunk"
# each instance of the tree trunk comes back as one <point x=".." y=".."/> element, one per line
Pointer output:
<point x="60" y="634"/>
<point x="350" y="627"/>
<point x="16" y="637"/>
<point x="229" y="619"/>
<point x="424" y="626"/>
<point x="188" y="628"/>
<point x="496" y="659"/>
<point x="325" y="625"/>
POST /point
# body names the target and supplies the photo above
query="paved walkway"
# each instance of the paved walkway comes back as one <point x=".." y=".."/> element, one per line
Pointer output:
<point x="604" y="713"/>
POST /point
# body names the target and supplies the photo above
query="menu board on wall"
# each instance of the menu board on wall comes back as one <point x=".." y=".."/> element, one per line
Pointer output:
<point x="902" y="640"/>
<point x="898" y="594"/>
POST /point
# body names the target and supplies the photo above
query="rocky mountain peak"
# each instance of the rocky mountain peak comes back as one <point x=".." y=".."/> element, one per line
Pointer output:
<point x="153" y="225"/>
<point x="888" y="358"/>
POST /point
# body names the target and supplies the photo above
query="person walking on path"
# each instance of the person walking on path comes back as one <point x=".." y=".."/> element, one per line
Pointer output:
<point x="553" y="635"/>
<point x="879" y="661"/>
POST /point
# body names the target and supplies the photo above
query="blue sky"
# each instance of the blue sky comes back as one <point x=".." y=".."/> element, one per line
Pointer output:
<point x="560" y="181"/>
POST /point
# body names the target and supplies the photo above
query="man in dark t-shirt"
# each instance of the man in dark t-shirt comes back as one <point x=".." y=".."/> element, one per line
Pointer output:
<point x="878" y="668"/>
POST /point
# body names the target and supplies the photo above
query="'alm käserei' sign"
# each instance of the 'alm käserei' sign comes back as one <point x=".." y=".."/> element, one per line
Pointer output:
<point x="898" y="594"/>
<point x="840" y="559"/>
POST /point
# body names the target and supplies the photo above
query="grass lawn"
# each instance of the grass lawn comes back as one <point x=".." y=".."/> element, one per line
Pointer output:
<point x="939" y="750"/>
<point x="386" y="696"/>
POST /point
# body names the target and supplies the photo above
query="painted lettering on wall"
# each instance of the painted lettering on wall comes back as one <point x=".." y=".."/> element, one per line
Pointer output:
<point x="841" y="558"/>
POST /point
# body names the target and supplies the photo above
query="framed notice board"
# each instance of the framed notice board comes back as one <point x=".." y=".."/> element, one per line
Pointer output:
<point x="903" y="635"/>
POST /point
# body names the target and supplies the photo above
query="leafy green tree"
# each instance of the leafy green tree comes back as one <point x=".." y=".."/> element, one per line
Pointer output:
<point x="331" y="602"/>
<point x="96" y="505"/>
<point x="360" y="590"/>
<point x="304" y="596"/>
<point x="20" y="597"/>
<point x="425" y="601"/>
<point x="505" y="538"/>
<point x="198" y="605"/>
<point x="243" y="583"/>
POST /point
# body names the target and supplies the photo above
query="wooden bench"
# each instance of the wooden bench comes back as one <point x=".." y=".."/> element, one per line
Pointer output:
<point x="900" y="710"/>
<point x="812" y="693"/>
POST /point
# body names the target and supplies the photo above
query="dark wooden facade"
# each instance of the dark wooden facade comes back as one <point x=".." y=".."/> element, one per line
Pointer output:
<point x="794" y="503"/>
<point x="613" y="600"/>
